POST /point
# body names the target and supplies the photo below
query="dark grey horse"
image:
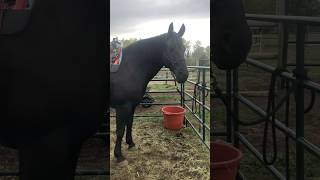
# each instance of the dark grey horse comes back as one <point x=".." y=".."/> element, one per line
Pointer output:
<point x="231" y="34"/>
<point x="141" y="62"/>
<point x="53" y="85"/>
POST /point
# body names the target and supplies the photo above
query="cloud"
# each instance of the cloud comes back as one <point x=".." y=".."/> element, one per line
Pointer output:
<point x="127" y="15"/>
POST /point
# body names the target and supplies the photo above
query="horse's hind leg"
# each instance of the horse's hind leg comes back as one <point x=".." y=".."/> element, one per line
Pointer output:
<point x="123" y="113"/>
<point x="129" y="122"/>
<point x="50" y="158"/>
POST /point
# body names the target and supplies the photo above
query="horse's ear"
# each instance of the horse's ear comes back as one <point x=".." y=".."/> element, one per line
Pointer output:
<point x="170" y="28"/>
<point x="182" y="30"/>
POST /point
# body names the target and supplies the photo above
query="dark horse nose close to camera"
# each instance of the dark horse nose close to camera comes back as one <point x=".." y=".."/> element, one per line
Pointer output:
<point x="181" y="72"/>
<point x="182" y="76"/>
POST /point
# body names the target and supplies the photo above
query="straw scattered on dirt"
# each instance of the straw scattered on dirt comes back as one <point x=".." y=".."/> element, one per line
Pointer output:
<point x="160" y="153"/>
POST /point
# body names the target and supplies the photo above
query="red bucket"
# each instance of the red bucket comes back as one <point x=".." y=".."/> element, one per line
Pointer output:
<point x="173" y="117"/>
<point x="21" y="4"/>
<point x="224" y="161"/>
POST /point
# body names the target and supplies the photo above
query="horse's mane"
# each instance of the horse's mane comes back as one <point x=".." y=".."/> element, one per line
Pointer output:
<point x="145" y="43"/>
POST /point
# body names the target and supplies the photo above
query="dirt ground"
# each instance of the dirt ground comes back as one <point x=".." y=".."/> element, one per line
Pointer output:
<point x="160" y="153"/>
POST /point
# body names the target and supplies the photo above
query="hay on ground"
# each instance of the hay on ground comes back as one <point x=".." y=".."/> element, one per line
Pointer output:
<point x="160" y="153"/>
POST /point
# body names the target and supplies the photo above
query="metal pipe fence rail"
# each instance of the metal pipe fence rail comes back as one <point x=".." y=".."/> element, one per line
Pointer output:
<point x="298" y="80"/>
<point x="199" y="109"/>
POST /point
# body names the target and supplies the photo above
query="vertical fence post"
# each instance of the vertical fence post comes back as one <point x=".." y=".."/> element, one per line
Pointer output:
<point x="235" y="117"/>
<point x="203" y="104"/>
<point x="287" y="139"/>
<point x="229" y="117"/>
<point x="181" y="94"/>
<point x="166" y="77"/>
<point x="182" y="101"/>
<point x="299" y="93"/>
<point x="235" y="90"/>
<point x="198" y="95"/>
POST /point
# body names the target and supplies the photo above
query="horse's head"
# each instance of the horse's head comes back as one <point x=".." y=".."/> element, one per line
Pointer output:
<point x="231" y="34"/>
<point x="173" y="55"/>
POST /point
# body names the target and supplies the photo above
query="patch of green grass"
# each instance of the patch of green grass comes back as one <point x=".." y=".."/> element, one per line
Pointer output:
<point x="190" y="115"/>
<point x="161" y="86"/>
<point x="167" y="98"/>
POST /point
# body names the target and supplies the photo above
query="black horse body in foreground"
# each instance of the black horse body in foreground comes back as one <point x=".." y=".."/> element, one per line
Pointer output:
<point x="141" y="62"/>
<point x="54" y="85"/>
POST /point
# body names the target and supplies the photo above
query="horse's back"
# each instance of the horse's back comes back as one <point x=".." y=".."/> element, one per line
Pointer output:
<point x="126" y="85"/>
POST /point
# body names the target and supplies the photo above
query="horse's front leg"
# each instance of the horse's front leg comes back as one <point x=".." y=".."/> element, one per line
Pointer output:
<point x="50" y="157"/>
<point x="122" y="114"/>
<point x="129" y="122"/>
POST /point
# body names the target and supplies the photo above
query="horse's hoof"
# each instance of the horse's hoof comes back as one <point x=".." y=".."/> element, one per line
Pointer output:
<point x="123" y="163"/>
<point x="131" y="146"/>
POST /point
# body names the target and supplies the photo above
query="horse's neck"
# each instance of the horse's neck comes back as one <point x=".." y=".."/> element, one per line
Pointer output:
<point x="149" y="57"/>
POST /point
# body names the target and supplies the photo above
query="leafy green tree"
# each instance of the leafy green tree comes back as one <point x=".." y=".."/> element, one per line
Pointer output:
<point x="188" y="53"/>
<point x="260" y="6"/>
<point x="127" y="42"/>
<point x="194" y="52"/>
<point x="187" y="45"/>
<point x="198" y="52"/>
<point x="304" y="7"/>
<point x="207" y="51"/>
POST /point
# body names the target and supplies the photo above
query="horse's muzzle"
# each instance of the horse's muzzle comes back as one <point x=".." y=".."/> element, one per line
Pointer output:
<point x="182" y="76"/>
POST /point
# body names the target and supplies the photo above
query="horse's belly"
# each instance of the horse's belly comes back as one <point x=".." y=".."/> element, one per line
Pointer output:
<point x="122" y="93"/>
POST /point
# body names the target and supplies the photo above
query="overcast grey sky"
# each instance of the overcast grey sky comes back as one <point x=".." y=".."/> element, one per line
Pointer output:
<point x="147" y="18"/>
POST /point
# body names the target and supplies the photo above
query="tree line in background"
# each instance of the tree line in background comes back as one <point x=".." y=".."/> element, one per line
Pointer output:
<point x="196" y="54"/>
<point x="295" y="7"/>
